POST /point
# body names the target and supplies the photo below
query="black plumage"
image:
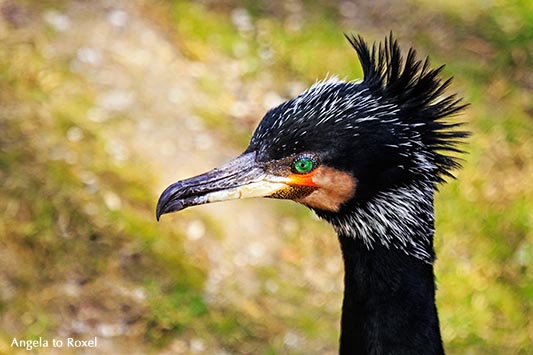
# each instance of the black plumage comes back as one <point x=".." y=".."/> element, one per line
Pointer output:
<point x="367" y="157"/>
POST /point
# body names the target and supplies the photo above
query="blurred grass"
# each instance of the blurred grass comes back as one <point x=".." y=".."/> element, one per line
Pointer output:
<point x="78" y="238"/>
<point x="74" y="222"/>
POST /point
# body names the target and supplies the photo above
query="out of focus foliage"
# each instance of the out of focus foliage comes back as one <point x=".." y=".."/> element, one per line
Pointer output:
<point x="79" y="246"/>
<point x="85" y="147"/>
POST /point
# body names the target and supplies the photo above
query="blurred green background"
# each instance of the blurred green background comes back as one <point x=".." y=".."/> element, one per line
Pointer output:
<point x="105" y="103"/>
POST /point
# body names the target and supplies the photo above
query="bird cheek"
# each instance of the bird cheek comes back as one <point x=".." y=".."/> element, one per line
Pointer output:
<point x="334" y="187"/>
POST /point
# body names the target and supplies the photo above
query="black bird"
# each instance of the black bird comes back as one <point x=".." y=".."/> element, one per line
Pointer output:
<point x="366" y="157"/>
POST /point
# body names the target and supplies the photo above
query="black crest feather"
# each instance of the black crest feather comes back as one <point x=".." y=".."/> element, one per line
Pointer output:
<point x="418" y="91"/>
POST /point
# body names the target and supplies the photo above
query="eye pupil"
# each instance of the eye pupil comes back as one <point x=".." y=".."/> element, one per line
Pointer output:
<point x="304" y="165"/>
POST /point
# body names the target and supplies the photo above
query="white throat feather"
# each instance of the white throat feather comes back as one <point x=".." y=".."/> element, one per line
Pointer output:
<point x="400" y="218"/>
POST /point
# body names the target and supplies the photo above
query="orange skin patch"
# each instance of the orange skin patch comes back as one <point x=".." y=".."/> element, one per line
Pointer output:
<point x="332" y="188"/>
<point x="304" y="180"/>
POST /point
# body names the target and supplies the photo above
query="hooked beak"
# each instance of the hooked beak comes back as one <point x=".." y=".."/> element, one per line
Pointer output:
<point x="240" y="178"/>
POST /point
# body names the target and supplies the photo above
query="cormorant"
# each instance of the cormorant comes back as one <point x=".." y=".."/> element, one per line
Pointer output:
<point x="367" y="157"/>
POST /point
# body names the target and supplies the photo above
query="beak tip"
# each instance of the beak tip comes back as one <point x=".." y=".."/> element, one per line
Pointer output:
<point x="169" y="202"/>
<point x="165" y="201"/>
<point x="160" y="209"/>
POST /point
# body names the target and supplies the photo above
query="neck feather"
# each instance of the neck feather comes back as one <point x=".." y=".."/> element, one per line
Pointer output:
<point x="400" y="218"/>
<point x="389" y="302"/>
<point x="389" y="298"/>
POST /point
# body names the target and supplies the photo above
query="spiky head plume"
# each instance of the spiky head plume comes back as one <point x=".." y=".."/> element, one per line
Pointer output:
<point x="418" y="92"/>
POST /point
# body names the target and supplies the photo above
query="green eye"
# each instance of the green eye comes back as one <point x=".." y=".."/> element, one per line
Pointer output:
<point x="304" y="165"/>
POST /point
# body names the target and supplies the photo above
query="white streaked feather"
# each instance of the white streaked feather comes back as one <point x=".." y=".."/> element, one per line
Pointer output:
<point x="401" y="218"/>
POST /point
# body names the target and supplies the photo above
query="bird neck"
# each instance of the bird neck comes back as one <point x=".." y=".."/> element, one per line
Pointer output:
<point x="389" y="302"/>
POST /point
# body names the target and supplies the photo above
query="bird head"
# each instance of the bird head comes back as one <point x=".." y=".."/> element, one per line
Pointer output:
<point x="345" y="148"/>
